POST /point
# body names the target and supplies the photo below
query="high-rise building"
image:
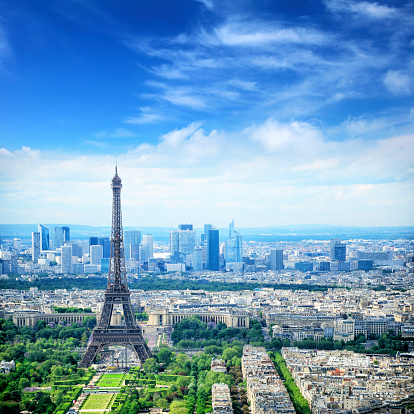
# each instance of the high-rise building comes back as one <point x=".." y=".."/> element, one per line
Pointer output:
<point x="148" y="241"/>
<point x="93" y="241"/>
<point x="17" y="243"/>
<point x="182" y="244"/>
<point x="213" y="249"/>
<point x="234" y="245"/>
<point x="143" y="253"/>
<point x="95" y="254"/>
<point x="106" y="246"/>
<point x="187" y="241"/>
<point x="276" y="259"/>
<point x="35" y="246"/>
<point x="134" y="251"/>
<point x="66" y="233"/>
<point x="337" y="250"/>
<point x="58" y="237"/>
<point x="77" y="249"/>
<point x="66" y="259"/>
<point x="44" y="237"/>
<point x="174" y="241"/>
<point x="198" y="259"/>
<point x="131" y="237"/>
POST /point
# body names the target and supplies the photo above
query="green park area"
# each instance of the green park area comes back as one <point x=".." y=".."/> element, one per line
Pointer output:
<point x="97" y="402"/>
<point x="111" y="380"/>
<point x="47" y="379"/>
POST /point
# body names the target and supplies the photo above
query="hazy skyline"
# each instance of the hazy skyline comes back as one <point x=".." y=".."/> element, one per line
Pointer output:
<point x="268" y="113"/>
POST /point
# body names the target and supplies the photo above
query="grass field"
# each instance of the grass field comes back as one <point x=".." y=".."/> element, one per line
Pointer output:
<point x="97" y="402"/>
<point x="111" y="380"/>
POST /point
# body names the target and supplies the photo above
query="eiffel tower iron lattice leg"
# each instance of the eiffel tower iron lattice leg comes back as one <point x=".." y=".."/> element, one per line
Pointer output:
<point x="116" y="294"/>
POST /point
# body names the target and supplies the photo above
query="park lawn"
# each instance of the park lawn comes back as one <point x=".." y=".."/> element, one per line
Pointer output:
<point x="97" y="402"/>
<point x="91" y="412"/>
<point x="111" y="380"/>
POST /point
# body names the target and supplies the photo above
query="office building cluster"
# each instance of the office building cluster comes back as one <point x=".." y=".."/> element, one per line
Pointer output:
<point x="265" y="389"/>
<point x="205" y="253"/>
<point x="347" y="383"/>
<point x="349" y="263"/>
<point x="54" y="252"/>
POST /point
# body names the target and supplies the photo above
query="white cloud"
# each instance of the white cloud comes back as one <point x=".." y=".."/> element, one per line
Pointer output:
<point x="364" y="8"/>
<point x="253" y="175"/>
<point x="398" y="82"/>
<point x="358" y="126"/>
<point x="147" y="116"/>
<point x="262" y="34"/>
<point x="318" y="164"/>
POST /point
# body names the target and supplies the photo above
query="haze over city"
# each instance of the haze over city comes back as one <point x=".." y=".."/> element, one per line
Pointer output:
<point x="268" y="113"/>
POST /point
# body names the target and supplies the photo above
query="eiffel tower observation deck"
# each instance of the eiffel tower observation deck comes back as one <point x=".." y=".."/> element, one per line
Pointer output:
<point x="117" y="293"/>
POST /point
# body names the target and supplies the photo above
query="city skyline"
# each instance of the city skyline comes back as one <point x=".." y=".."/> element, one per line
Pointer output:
<point x="267" y="114"/>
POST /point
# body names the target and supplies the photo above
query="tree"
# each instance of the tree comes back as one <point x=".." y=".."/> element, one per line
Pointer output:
<point x="165" y="356"/>
<point x="150" y="366"/>
<point x="229" y="353"/>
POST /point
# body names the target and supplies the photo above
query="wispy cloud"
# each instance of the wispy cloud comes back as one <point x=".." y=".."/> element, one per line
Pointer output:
<point x="262" y="34"/>
<point x="5" y="49"/>
<point x="147" y="116"/>
<point x="398" y="83"/>
<point x="372" y="10"/>
<point x="117" y="133"/>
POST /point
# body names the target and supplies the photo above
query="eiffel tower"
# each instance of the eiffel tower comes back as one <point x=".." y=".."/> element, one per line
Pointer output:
<point x="117" y="293"/>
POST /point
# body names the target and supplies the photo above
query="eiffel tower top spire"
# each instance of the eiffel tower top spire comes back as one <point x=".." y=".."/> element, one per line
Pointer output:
<point x="117" y="281"/>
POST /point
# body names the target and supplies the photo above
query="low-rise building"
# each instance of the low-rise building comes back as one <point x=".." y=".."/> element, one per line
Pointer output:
<point x="220" y="399"/>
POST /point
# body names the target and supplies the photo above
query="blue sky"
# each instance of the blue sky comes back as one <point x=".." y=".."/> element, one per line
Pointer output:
<point x="265" y="112"/>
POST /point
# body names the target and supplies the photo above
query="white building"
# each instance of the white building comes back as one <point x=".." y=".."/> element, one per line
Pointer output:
<point x="95" y="254"/>
<point x="148" y="243"/>
<point x="66" y="259"/>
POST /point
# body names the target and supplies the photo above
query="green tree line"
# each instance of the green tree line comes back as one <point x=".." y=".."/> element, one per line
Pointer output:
<point x="298" y="400"/>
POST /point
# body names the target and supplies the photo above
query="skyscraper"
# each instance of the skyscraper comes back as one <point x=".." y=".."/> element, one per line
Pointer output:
<point x="234" y="245"/>
<point x="66" y="259"/>
<point x="44" y="237"/>
<point x="187" y="241"/>
<point x="174" y="241"/>
<point x="66" y="233"/>
<point x="148" y="243"/>
<point x="131" y="237"/>
<point x="93" y="241"/>
<point x="35" y="246"/>
<point x="106" y="246"/>
<point x="198" y="259"/>
<point x="276" y="259"/>
<point x="182" y="244"/>
<point x="58" y="237"/>
<point x="337" y="250"/>
<point x="96" y="254"/>
<point x="213" y="249"/>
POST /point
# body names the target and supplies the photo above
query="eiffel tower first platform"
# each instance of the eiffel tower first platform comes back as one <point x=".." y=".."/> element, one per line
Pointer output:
<point x="117" y="293"/>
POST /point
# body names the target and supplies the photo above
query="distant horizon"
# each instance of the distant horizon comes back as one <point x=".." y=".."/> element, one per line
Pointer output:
<point x="219" y="227"/>
<point x="263" y="234"/>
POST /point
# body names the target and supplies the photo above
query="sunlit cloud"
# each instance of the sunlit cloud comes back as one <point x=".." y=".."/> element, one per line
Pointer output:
<point x="190" y="172"/>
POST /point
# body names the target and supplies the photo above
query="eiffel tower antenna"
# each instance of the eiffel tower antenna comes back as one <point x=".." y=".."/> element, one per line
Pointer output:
<point x="117" y="293"/>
